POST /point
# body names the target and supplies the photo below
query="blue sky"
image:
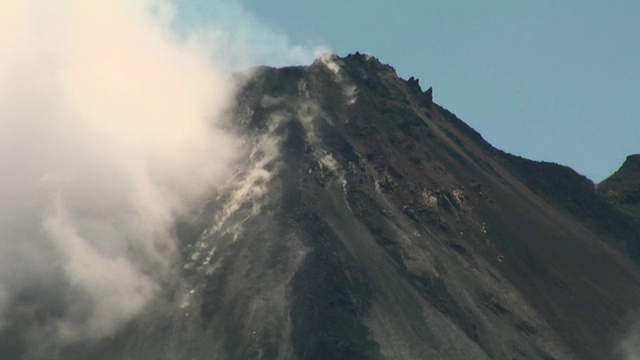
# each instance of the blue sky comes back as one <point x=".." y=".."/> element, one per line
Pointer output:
<point x="548" y="80"/>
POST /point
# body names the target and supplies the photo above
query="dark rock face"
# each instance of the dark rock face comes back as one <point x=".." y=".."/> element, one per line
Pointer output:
<point x="367" y="222"/>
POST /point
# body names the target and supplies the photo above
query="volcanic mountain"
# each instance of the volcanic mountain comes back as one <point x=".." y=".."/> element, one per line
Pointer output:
<point x="368" y="222"/>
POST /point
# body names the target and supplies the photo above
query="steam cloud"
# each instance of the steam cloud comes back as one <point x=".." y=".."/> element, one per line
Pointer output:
<point x="629" y="348"/>
<point x="108" y="132"/>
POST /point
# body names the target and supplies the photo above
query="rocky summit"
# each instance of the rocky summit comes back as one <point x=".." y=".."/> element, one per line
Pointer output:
<point x="368" y="222"/>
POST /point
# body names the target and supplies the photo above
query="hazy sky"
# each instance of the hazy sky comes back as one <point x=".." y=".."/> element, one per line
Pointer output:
<point x="548" y="80"/>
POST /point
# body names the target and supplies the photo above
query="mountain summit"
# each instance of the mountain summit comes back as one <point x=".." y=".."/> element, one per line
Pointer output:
<point x="368" y="222"/>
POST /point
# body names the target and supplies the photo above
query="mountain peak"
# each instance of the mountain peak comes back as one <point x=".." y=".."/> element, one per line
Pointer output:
<point x="629" y="171"/>
<point x="396" y="193"/>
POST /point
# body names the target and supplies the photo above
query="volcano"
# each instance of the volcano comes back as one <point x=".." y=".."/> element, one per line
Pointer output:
<point x="368" y="222"/>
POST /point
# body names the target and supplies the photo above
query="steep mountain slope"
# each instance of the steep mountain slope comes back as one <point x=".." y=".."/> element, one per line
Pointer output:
<point x="367" y="222"/>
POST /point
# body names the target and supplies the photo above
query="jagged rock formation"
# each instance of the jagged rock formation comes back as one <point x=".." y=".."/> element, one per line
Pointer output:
<point x="367" y="222"/>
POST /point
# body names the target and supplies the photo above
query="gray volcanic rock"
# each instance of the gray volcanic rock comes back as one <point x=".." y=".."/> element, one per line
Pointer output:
<point x="367" y="222"/>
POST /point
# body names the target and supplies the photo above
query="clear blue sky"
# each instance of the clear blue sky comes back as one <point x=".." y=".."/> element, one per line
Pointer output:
<point x="548" y="80"/>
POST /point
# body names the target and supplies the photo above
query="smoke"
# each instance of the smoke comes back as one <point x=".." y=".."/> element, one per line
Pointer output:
<point x="630" y="348"/>
<point x="109" y="131"/>
<point x="238" y="38"/>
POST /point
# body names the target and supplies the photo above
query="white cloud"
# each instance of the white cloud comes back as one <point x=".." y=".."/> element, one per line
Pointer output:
<point x="109" y="130"/>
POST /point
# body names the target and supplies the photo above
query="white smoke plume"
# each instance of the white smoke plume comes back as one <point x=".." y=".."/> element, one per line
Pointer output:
<point x="238" y="38"/>
<point x="629" y="347"/>
<point x="109" y="131"/>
